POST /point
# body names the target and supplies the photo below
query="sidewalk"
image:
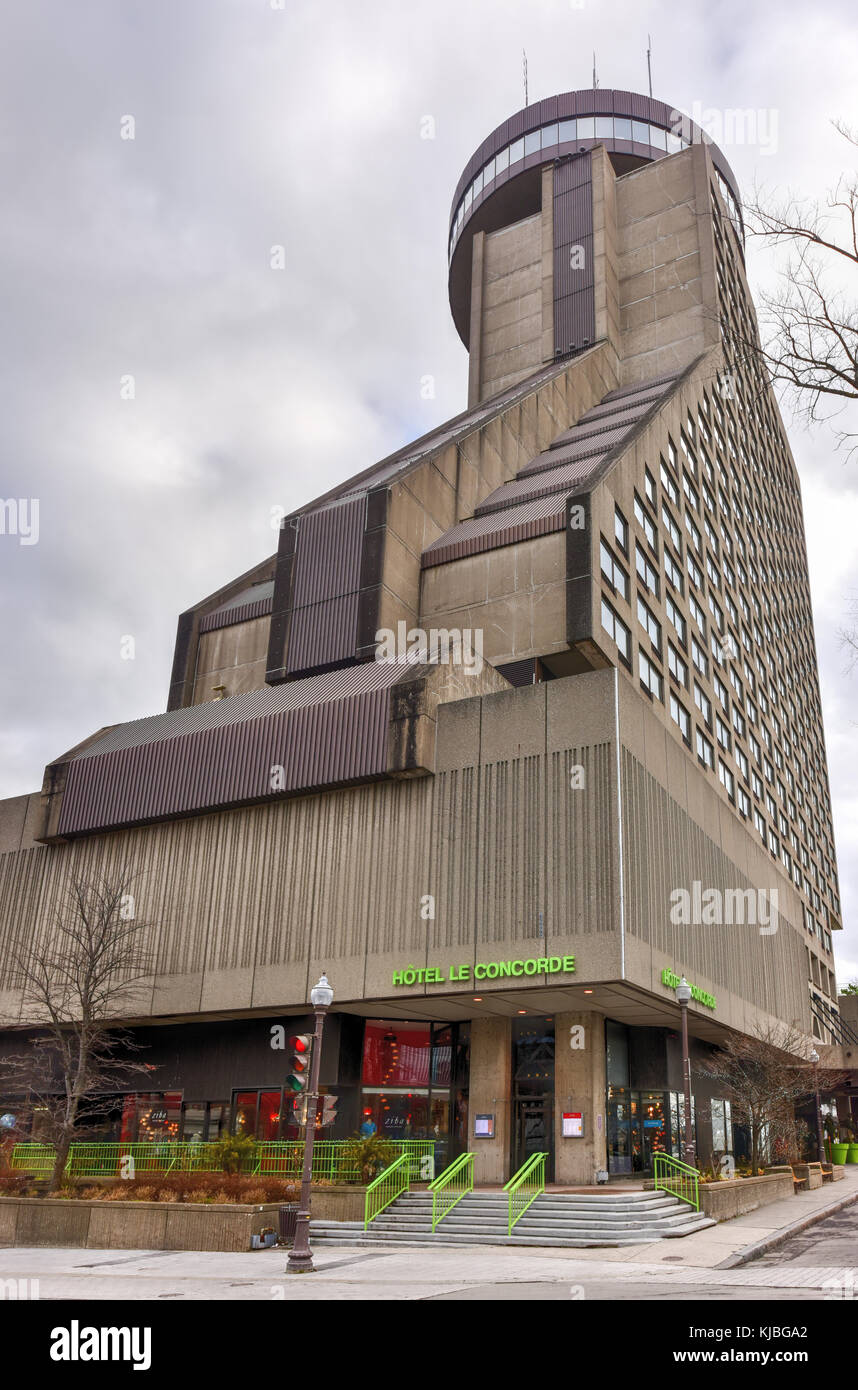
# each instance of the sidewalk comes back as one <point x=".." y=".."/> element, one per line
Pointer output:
<point x="711" y="1263"/>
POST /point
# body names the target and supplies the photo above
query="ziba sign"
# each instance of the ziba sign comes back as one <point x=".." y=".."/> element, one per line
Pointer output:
<point x="485" y="970"/>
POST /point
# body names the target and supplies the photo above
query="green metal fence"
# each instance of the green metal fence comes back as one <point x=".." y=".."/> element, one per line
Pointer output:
<point x="334" y="1160"/>
<point x="387" y="1187"/>
<point x="680" y="1179"/>
<point x="524" y="1187"/>
<point x="451" y="1186"/>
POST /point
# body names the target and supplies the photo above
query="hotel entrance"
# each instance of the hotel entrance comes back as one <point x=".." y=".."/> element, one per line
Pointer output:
<point x="533" y="1092"/>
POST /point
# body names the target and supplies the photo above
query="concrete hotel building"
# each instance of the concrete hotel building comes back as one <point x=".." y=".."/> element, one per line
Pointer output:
<point x="482" y="854"/>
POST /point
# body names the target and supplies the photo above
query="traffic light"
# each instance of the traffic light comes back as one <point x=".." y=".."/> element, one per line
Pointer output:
<point x="301" y="1046"/>
<point x="327" y="1111"/>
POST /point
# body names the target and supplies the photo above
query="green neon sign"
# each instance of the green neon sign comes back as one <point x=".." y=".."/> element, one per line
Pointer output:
<point x="672" y="980"/>
<point x="485" y="970"/>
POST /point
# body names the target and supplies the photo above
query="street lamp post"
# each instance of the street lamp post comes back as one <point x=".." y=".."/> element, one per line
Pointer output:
<point x="301" y="1256"/>
<point x="683" y="998"/>
<point x="820" y="1142"/>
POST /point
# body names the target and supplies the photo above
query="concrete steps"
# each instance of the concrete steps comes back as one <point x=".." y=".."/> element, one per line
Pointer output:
<point x="480" y="1218"/>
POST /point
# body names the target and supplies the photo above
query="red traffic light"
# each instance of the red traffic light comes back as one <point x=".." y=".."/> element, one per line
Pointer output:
<point x="300" y="1042"/>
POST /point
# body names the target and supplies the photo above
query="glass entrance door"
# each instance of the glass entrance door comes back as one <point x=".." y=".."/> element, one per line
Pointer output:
<point x="533" y="1092"/>
<point x="533" y="1131"/>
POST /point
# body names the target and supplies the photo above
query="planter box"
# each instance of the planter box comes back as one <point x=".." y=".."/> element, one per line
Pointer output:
<point x="724" y="1200"/>
<point x="53" y="1221"/>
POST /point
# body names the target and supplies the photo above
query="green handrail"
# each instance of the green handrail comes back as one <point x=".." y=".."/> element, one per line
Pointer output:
<point x="389" y="1185"/>
<point x="451" y="1186"/>
<point x="524" y="1187"/>
<point x="680" y="1179"/>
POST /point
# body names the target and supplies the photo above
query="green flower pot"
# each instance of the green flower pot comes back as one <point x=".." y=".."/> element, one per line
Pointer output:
<point x="852" y="1155"/>
<point x="839" y="1153"/>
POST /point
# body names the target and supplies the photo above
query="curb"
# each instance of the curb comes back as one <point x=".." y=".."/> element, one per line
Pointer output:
<point x="761" y="1247"/>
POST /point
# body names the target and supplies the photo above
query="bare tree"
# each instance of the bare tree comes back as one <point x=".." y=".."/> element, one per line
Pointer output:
<point x="810" y="323"/>
<point x="766" y="1076"/>
<point x="76" y="985"/>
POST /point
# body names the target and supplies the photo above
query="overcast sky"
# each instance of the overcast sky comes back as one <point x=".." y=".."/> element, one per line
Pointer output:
<point x="259" y="126"/>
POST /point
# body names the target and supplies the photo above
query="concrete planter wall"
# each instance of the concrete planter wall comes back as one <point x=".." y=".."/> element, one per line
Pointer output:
<point x="26" y="1221"/>
<point x="724" y="1200"/>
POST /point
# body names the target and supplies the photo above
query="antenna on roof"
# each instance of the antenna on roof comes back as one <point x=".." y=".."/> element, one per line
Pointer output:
<point x="595" y="78"/>
<point x="648" y="63"/>
<point x="524" y="67"/>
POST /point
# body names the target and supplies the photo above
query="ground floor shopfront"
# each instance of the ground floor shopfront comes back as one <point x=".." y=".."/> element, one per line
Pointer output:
<point x="594" y="1094"/>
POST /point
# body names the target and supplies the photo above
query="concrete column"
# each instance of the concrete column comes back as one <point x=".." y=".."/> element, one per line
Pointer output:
<point x="490" y="1087"/>
<point x="579" y="1085"/>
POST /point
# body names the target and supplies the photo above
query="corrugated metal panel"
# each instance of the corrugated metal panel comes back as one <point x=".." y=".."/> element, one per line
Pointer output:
<point x="564" y="478"/>
<point x="521" y="523"/>
<point x="591" y="452"/>
<point x="574" y="295"/>
<point x="237" y="709"/>
<point x="326" y="585"/>
<point x="322" y="633"/>
<point x="317" y="745"/>
<point x="238" y="613"/>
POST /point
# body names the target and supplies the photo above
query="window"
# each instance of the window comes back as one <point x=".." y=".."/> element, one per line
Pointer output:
<point x="649" y="486"/>
<point x="672" y="529"/>
<point x="744" y="802"/>
<point x="703" y="703"/>
<point x="676" y="666"/>
<point x="693" y="533"/>
<point x="646" y="523"/>
<point x="613" y="571"/>
<point x="726" y="779"/>
<point x="648" y="620"/>
<point x="646" y="572"/>
<point x="668" y="483"/>
<point x="705" y="751"/>
<point x="742" y="761"/>
<point x="675" y="617"/>
<point x="722" y="733"/>
<point x="650" y="677"/>
<point x="697" y="614"/>
<point x="720" y="689"/>
<point x="618" y="631"/>
<point x="672" y="570"/>
<point x="621" y="530"/>
<point x="679" y="715"/>
<point x="699" y="658"/>
<point x="694" y="573"/>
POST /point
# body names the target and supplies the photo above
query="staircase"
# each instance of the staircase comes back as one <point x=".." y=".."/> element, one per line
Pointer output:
<point x="480" y="1218"/>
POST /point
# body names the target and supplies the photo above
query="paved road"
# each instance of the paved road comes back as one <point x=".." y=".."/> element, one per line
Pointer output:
<point x="832" y="1241"/>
